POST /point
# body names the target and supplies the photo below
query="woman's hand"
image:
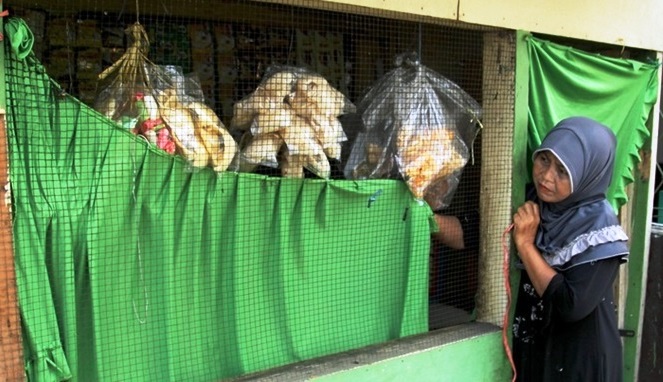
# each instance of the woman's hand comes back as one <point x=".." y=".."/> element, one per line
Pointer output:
<point x="526" y="222"/>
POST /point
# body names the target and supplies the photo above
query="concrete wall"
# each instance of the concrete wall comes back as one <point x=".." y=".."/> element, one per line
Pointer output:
<point x="478" y="358"/>
<point x="469" y="352"/>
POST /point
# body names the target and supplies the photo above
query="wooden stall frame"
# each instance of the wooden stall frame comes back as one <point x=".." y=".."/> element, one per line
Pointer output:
<point x="11" y="350"/>
<point x="10" y="329"/>
<point x="633" y="280"/>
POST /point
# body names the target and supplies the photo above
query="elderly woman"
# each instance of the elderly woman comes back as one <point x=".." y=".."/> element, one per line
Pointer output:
<point x="570" y="245"/>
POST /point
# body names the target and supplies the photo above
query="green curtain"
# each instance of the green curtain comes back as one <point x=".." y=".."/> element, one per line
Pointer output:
<point x="618" y="92"/>
<point x="132" y="266"/>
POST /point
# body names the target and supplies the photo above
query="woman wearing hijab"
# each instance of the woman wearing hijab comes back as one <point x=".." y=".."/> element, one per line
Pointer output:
<point x="570" y="246"/>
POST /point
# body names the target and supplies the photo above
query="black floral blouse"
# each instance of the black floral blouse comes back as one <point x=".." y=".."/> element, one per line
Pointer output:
<point x="570" y="334"/>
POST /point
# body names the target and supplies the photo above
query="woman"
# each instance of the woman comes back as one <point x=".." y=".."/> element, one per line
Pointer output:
<point x="570" y="246"/>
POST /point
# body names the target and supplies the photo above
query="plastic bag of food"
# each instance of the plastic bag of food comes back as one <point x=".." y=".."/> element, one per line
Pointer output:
<point x="418" y="126"/>
<point x="165" y="107"/>
<point x="290" y="121"/>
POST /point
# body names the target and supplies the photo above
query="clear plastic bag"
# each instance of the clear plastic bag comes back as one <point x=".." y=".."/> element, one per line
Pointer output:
<point x="164" y="106"/>
<point x="418" y="126"/>
<point x="290" y="121"/>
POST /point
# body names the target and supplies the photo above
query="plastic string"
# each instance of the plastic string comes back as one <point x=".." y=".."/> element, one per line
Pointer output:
<point x="507" y="286"/>
<point x="139" y="256"/>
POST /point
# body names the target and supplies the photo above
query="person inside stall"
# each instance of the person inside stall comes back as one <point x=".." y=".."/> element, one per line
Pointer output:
<point x="454" y="256"/>
<point x="452" y="228"/>
<point x="570" y="245"/>
<point x="454" y="249"/>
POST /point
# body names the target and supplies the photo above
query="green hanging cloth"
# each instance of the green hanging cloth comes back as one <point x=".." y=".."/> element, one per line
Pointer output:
<point x="20" y="37"/>
<point x="132" y="267"/>
<point x="620" y="93"/>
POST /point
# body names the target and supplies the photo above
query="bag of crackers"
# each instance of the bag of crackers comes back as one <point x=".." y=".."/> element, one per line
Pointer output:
<point x="290" y="122"/>
<point x="418" y="126"/>
<point x="163" y="106"/>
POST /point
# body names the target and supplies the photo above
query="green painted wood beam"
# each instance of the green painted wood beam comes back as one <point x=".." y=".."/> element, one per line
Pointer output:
<point x="637" y="272"/>
<point x="642" y="205"/>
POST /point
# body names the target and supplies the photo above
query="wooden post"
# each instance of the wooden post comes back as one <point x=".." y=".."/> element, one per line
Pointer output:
<point x="504" y="142"/>
<point x="11" y="357"/>
<point x="11" y="349"/>
<point x="640" y="220"/>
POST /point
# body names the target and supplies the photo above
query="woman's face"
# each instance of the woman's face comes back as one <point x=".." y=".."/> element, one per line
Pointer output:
<point x="551" y="179"/>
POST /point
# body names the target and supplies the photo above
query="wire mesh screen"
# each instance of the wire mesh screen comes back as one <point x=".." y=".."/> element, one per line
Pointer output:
<point x="203" y="189"/>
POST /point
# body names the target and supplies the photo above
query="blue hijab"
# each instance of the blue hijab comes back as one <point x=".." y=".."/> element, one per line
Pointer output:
<point x="583" y="227"/>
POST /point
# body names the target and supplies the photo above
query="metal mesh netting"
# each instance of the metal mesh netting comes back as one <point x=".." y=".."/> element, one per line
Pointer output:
<point x="203" y="190"/>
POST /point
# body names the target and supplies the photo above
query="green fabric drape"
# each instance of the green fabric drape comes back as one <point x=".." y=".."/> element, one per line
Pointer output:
<point x="21" y="39"/>
<point x="618" y="92"/>
<point x="133" y="266"/>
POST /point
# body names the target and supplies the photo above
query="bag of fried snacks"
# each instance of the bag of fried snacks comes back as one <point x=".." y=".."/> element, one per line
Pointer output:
<point x="290" y="121"/>
<point x="163" y="106"/>
<point x="418" y="126"/>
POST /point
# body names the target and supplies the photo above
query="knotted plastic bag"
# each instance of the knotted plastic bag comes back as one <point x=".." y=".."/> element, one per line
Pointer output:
<point x="418" y="126"/>
<point x="164" y="106"/>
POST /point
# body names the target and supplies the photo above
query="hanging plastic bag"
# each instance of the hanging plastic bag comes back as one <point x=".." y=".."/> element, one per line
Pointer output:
<point x="291" y="122"/>
<point x="418" y="126"/>
<point x="164" y="106"/>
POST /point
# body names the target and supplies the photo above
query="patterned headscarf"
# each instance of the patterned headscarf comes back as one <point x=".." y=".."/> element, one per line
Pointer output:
<point x="583" y="227"/>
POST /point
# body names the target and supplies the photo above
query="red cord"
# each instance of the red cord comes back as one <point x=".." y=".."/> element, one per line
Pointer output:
<point x="507" y="286"/>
